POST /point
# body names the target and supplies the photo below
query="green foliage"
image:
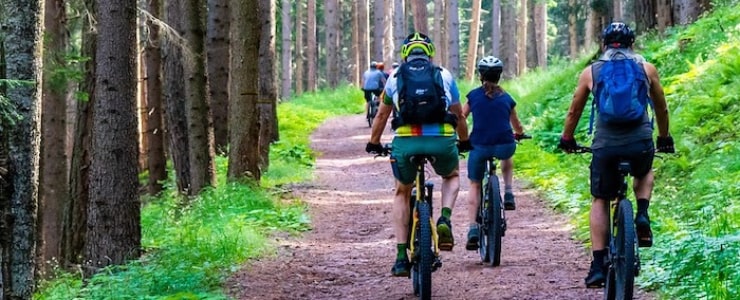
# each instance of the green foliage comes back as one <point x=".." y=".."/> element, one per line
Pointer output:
<point x="192" y="246"/>
<point x="695" y="212"/>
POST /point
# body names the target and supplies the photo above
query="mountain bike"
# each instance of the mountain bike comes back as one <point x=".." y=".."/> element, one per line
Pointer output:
<point x="624" y="255"/>
<point x="423" y="239"/>
<point x="491" y="215"/>
<point x="372" y="110"/>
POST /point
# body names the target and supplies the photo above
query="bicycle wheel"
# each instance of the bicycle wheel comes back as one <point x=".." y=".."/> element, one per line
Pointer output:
<point x="422" y="277"/>
<point x="372" y="111"/>
<point x="623" y="258"/>
<point x="495" y="221"/>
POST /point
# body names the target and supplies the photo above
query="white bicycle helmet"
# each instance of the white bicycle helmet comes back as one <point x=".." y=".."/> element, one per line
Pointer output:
<point x="490" y="68"/>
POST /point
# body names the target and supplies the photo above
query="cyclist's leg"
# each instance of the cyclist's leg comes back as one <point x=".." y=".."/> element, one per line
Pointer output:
<point x="504" y="153"/>
<point x="404" y="173"/>
<point x="368" y="97"/>
<point x="444" y="149"/>
<point x="641" y="165"/>
<point x="476" y="168"/>
<point x="604" y="187"/>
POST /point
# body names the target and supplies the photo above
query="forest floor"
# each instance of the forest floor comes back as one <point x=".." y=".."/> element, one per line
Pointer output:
<point x="351" y="247"/>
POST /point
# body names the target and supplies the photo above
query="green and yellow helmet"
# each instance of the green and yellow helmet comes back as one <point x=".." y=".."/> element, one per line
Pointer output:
<point x="414" y="41"/>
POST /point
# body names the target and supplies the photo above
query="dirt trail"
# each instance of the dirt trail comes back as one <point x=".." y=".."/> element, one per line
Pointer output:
<point x="349" y="252"/>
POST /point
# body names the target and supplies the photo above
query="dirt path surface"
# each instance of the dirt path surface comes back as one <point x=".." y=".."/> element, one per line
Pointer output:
<point x="349" y="252"/>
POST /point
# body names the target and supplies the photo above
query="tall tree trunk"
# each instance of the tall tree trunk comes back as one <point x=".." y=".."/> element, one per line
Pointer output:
<point x="617" y="10"/>
<point x="644" y="15"/>
<point x="508" y="40"/>
<point x="419" y="8"/>
<point x="473" y="42"/>
<point x="496" y="23"/>
<point x="355" y="69"/>
<point x="202" y="151"/>
<point x="437" y="25"/>
<point x="75" y="212"/>
<point x="453" y="35"/>
<point x="287" y="54"/>
<point x="378" y="26"/>
<point x="664" y="14"/>
<point x="572" y="29"/>
<point x="175" y="108"/>
<point x="267" y="102"/>
<point x="521" y="41"/>
<point x="388" y="40"/>
<point x="331" y="19"/>
<point x="156" y="160"/>
<point x="540" y="33"/>
<point x="217" y="68"/>
<point x="363" y="34"/>
<point x="114" y="234"/>
<point x="53" y="174"/>
<point x="399" y="26"/>
<point x="687" y="11"/>
<point x="299" y="58"/>
<point x="311" y="51"/>
<point x="22" y="28"/>
<point x="243" y="88"/>
<point x="531" y="36"/>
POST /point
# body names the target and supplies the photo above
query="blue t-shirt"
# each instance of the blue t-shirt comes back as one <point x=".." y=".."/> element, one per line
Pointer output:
<point x="491" y="118"/>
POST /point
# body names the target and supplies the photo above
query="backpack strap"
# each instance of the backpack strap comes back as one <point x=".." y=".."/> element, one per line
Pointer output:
<point x="594" y="80"/>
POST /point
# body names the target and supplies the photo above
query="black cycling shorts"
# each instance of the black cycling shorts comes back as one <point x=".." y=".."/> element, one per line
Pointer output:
<point x="605" y="180"/>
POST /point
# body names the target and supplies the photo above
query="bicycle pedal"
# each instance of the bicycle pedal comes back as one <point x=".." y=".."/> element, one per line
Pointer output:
<point x="436" y="264"/>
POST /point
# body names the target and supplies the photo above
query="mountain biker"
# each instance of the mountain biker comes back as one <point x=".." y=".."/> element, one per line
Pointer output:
<point x="611" y="143"/>
<point x="436" y="139"/>
<point x="373" y="81"/>
<point x="381" y="68"/>
<point x="494" y="115"/>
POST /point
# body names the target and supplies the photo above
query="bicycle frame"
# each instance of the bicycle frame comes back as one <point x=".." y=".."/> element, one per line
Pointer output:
<point x="422" y="194"/>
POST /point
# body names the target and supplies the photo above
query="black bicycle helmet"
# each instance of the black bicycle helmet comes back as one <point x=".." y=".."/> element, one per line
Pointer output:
<point x="490" y="68"/>
<point x="618" y="35"/>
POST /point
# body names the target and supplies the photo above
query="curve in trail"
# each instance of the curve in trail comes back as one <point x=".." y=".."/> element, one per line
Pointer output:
<point x="349" y="252"/>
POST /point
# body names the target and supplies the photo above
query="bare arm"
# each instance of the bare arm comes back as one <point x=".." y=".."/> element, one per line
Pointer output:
<point x="462" y="125"/>
<point x="381" y="118"/>
<point x="580" y="97"/>
<point x="466" y="110"/>
<point x="515" y="123"/>
<point x="659" y="103"/>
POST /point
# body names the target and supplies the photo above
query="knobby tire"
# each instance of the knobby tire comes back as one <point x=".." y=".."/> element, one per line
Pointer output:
<point x="621" y="283"/>
<point x="423" y="280"/>
<point x="495" y="221"/>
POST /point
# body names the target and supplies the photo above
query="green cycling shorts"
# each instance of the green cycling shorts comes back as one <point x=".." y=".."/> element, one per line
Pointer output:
<point x="443" y="148"/>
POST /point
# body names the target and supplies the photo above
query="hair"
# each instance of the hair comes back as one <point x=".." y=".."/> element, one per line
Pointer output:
<point x="490" y="84"/>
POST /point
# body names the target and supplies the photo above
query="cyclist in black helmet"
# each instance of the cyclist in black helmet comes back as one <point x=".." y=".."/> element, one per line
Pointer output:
<point x="613" y="141"/>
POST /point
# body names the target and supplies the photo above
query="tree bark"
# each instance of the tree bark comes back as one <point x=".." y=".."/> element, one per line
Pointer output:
<point x="53" y="174"/>
<point x="664" y="14"/>
<point x="540" y="33"/>
<point x="156" y="160"/>
<point x="437" y="25"/>
<point x="331" y="14"/>
<point x="22" y="29"/>
<point x="311" y="51"/>
<point x="175" y="108"/>
<point x="496" y="23"/>
<point x="286" y="51"/>
<point x="453" y="34"/>
<point x="508" y="40"/>
<point x="299" y="58"/>
<point x="473" y="42"/>
<point x="644" y="15"/>
<point x="75" y="212"/>
<point x="267" y="102"/>
<point x="217" y="68"/>
<point x="399" y="26"/>
<point x="388" y="40"/>
<point x="114" y="234"/>
<point x="521" y="41"/>
<point x="355" y="68"/>
<point x="378" y="26"/>
<point x="420" y="15"/>
<point x="572" y="29"/>
<point x="243" y="88"/>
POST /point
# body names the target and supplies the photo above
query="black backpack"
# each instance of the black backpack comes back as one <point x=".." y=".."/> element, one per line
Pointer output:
<point x="421" y="94"/>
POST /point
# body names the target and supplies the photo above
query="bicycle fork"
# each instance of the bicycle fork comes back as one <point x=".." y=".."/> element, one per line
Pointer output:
<point x="415" y="199"/>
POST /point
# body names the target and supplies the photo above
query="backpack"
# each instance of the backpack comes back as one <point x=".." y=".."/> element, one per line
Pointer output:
<point x="621" y="93"/>
<point x="421" y="94"/>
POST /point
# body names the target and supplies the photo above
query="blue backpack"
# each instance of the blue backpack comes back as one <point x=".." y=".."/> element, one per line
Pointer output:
<point x="620" y="93"/>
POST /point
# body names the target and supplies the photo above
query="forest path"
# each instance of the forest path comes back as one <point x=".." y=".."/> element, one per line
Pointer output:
<point x="349" y="252"/>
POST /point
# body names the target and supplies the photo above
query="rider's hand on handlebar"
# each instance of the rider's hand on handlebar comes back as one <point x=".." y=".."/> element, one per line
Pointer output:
<point x="374" y="148"/>
<point x="665" y="144"/>
<point x="464" y="146"/>
<point x="568" y="145"/>
<point x="521" y="136"/>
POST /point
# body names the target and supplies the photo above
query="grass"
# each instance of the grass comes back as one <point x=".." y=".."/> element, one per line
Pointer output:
<point x="191" y="250"/>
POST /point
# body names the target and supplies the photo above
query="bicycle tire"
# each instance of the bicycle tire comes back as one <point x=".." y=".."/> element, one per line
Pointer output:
<point x="423" y="278"/>
<point x="372" y="112"/>
<point x="623" y="259"/>
<point x="495" y="221"/>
